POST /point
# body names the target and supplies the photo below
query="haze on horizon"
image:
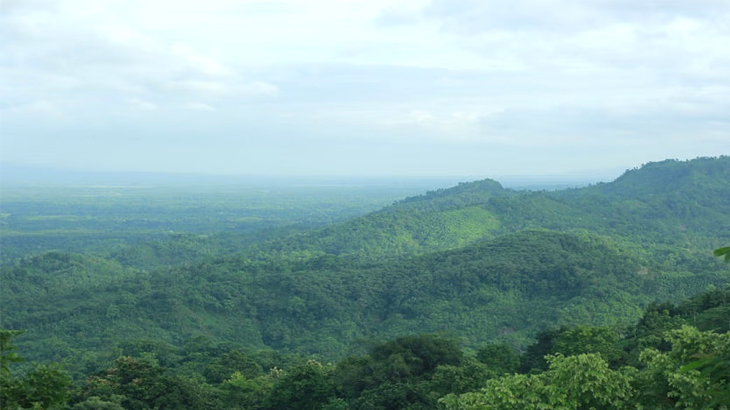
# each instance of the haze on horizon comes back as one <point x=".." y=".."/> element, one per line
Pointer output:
<point x="363" y="87"/>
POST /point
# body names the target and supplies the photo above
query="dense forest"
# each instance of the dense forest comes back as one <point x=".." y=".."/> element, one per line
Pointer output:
<point x="674" y="356"/>
<point x="469" y="297"/>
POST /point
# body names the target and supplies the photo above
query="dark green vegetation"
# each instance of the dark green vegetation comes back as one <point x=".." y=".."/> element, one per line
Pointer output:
<point x="675" y="356"/>
<point x="274" y="281"/>
<point x="35" y="387"/>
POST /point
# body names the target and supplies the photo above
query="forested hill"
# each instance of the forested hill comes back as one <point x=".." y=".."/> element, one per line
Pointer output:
<point x="464" y="194"/>
<point x="476" y="260"/>
<point x="701" y="177"/>
<point x="506" y="289"/>
<point x="665" y="203"/>
<point x="439" y="220"/>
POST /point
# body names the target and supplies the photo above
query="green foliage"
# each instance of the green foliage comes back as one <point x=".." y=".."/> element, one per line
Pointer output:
<point x="500" y="358"/>
<point x="690" y="375"/>
<point x="585" y="381"/>
<point x="96" y="403"/>
<point x="41" y="386"/>
<point x="406" y="359"/>
<point x="248" y="393"/>
<point x="233" y="362"/>
<point x="511" y="286"/>
<point x="7" y="350"/>
<point x="140" y="384"/>
<point x="306" y="387"/>
<point x="582" y="339"/>
<point x="575" y="382"/>
<point x="428" y="371"/>
<point x="415" y="356"/>
<point x="470" y="375"/>
<point x="397" y="374"/>
<point x="724" y="253"/>
<point x="534" y="356"/>
<point x="486" y="264"/>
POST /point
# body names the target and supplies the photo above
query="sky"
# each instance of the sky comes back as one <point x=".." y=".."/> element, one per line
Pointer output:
<point x="363" y="87"/>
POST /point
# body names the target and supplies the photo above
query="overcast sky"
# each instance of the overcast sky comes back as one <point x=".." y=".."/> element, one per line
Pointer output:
<point x="363" y="87"/>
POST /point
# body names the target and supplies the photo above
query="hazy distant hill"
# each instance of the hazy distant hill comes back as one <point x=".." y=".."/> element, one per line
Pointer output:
<point x="676" y="202"/>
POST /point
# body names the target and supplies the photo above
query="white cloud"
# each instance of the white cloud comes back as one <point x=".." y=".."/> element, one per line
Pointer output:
<point x="215" y="88"/>
<point x="527" y="73"/>
<point x="41" y="108"/>
<point x="142" y="105"/>
<point x="257" y="88"/>
<point x="198" y="106"/>
<point x="204" y="64"/>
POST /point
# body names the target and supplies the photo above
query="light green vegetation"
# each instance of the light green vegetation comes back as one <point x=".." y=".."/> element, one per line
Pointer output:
<point x="100" y="219"/>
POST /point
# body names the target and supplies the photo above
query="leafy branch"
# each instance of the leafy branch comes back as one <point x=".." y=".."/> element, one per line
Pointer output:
<point x="724" y="252"/>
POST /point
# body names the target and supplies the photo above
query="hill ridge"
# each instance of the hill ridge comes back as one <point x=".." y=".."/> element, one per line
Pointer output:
<point x="694" y="193"/>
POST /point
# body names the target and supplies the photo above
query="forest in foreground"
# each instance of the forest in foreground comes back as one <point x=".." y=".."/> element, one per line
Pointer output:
<point x="469" y="297"/>
<point x="674" y="356"/>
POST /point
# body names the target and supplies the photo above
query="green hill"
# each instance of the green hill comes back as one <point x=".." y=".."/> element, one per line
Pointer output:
<point x="505" y="289"/>
<point x="439" y="220"/>
<point x="672" y="210"/>
<point x="701" y="176"/>
<point x="475" y="260"/>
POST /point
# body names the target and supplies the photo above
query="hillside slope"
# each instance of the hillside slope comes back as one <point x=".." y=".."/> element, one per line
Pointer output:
<point x="438" y="220"/>
<point x="669" y="207"/>
<point x="477" y="260"/>
<point x="507" y="288"/>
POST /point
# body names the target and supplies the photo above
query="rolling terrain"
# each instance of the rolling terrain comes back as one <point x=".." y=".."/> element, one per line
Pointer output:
<point x="477" y="261"/>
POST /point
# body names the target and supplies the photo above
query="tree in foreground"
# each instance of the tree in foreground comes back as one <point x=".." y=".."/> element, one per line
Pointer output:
<point x="693" y="374"/>
<point x="583" y="381"/>
<point x="140" y="384"/>
<point x="40" y="387"/>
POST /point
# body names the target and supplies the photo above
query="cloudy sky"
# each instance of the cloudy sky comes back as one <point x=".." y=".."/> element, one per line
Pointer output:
<point x="363" y="87"/>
